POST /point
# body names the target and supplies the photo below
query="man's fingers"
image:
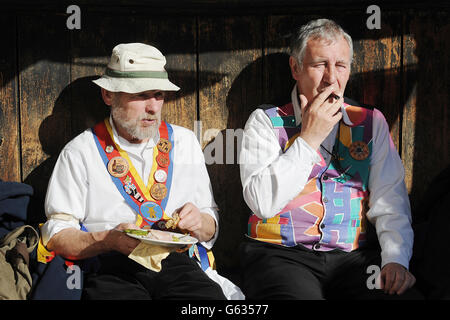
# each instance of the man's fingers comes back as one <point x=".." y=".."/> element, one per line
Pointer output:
<point x="334" y="111"/>
<point x="398" y="283"/>
<point x="404" y="286"/>
<point x="388" y="278"/>
<point x="185" y="210"/>
<point x="126" y="225"/>
<point x="395" y="278"/>
<point x="410" y="280"/>
<point x="323" y="96"/>
<point x="189" y="220"/>
<point x="303" y="102"/>
<point x="338" y="116"/>
<point x="334" y="108"/>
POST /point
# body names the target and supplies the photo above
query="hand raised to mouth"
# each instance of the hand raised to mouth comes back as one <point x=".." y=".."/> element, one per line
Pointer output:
<point x="319" y="116"/>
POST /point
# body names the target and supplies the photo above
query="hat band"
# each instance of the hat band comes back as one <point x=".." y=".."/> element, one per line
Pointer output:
<point x="136" y="74"/>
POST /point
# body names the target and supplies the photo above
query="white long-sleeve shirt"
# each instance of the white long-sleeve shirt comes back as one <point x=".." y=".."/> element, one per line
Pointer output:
<point x="271" y="178"/>
<point x="81" y="189"/>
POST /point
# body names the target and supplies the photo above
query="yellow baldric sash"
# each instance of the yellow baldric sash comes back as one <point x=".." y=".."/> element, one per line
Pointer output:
<point x="148" y="201"/>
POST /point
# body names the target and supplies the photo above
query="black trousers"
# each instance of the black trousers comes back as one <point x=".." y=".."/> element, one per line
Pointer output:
<point x="270" y="271"/>
<point x="121" y="278"/>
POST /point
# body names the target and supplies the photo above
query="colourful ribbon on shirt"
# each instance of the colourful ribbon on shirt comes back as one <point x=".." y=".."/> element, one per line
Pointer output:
<point x="150" y="209"/>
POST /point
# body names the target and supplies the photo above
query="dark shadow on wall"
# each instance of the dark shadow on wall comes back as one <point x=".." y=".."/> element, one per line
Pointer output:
<point x="246" y="93"/>
<point x="79" y="106"/>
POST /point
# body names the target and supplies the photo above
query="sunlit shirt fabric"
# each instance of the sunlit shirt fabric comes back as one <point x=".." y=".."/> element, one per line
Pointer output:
<point x="272" y="178"/>
<point x="81" y="190"/>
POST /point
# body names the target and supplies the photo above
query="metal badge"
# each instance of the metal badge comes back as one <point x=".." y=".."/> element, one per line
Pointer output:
<point x="118" y="167"/>
<point x="162" y="160"/>
<point x="109" y="149"/>
<point x="158" y="191"/>
<point x="160" y="176"/>
<point x="164" y="145"/>
<point x="359" y="150"/>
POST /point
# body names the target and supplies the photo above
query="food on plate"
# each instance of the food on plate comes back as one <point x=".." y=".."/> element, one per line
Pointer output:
<point x="138" y="232"/>
<point x="160" y="235"/>
<point x="152" y="234"/>
<point x="173" y="222"/>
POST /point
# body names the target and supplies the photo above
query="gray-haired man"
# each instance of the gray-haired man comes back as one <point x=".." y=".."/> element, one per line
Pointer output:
<point x="316" y="173"/>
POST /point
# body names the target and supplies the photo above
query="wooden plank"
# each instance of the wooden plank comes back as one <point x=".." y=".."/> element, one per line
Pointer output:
<point x="409" y="87"/>
<point x="230" y="88"/>
<point x="426" y="124"/>
<point x="9" y="112"/>
<point x="92" y="48"/>
<point x="230" y="81"/>
<point x="175" y="37"/>
<point x="45" y="72"/>
<point x="376" y="71"/>
<point x="43" y="53"/>
<point x="278" y="81"/>
<point x="91" y="52"/>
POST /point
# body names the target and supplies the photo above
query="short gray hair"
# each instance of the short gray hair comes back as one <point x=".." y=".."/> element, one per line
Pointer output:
<point x="317" y="29"/>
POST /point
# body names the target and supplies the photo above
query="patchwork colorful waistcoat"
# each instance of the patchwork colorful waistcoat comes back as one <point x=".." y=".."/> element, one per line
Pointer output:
<point x="329" y="213"/>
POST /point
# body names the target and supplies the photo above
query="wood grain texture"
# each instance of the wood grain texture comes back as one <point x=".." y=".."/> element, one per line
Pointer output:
<point x="45" y="72"/>
<point x="230" y="88"/>
<point x="278" y="81"/>
<point x="91" y="49"/>
<point x="409" y="91"/>
<point x="426" y="125"/>
<point x="376" y="71"/>
<point x="43" y="56"/>
<point x="10" y="169"/>
<point x="226" y="47"/>
<point x="175" y="37"/>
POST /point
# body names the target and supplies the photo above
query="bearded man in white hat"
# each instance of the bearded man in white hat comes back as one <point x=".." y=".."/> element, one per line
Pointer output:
<point x="116" y="186"/>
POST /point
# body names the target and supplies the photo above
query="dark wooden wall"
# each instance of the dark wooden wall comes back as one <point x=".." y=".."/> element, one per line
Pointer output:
<point x="228" y="57"/>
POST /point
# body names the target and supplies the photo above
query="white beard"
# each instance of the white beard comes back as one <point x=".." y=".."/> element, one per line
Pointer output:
<point x="133" y="126"/>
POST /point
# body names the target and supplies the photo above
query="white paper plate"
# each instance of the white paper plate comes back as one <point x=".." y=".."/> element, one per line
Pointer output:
<point x="165" y="238"/>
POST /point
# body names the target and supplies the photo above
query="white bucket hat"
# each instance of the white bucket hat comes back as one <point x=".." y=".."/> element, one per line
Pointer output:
<point x="136" y="67"/>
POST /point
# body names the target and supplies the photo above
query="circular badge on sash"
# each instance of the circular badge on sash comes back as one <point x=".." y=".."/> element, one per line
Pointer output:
<point x="109" y="149"/>
<point x="151" y="211"/>
<point x="359" y="150"/>
<point x="118" y="167"/>
<point x="164" y="145"/>
<point x="162" y="160"/>
<point x="158" y="191"/>
<point x="160" y="175"/>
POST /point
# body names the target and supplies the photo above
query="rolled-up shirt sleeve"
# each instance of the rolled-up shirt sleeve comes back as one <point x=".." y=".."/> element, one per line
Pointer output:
<point x="389" y="211"/>
<point x="66" y="195"/>
<point x="270" y="177"/>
